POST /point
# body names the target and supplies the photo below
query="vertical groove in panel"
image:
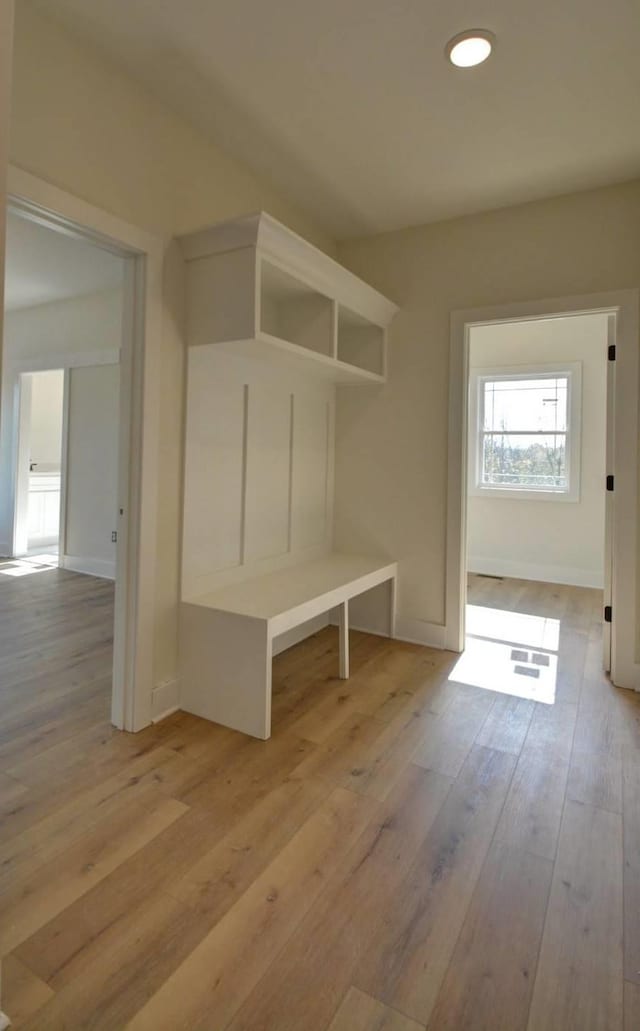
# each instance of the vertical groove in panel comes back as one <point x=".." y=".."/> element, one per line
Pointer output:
<point x="243" y="495"/>
<point x="291" y="444"/>
<point x="327" y="470"/>
<point x="335" y="324"/>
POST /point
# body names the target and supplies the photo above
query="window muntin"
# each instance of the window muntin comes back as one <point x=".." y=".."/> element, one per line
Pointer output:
<point x="526" y="425"/>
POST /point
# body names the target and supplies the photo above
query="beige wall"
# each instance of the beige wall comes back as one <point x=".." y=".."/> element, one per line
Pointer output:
<point x="391" y="472"/>
<point x="82" y="123"/>
<point x="75" y="325"/>
<point x="6" y="67"/>
<point x="546" y="538"/>
<point x="92" y="468"/>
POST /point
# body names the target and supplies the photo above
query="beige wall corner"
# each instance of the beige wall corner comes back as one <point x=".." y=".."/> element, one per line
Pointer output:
<point x="397" y="436"/>
<point x="84" y="124"/>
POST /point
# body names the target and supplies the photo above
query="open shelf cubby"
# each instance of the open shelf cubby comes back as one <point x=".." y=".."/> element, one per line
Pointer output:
<point x="258" y="290"/>
<point x="360" y="343"/>
<point x="293" y="311"/>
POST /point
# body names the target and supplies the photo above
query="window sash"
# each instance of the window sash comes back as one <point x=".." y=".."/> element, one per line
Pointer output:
<point x="534" y="483"/>
<point x="565" y="437"/>
<point x="488" y="385"/>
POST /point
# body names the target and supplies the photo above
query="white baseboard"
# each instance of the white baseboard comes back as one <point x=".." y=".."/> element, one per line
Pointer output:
<point x="360" y="627"/>
<point x="299" y="633"/>
<point x="627" y="676"/>
<point x="413" y="631"/>
<point x="165" y="699"/>
<point x="418" y="631"/>
<point x="545" y="574"/>
<point x="92" y="566"/>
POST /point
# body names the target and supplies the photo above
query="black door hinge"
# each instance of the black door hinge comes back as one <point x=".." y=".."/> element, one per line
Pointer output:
<point x="609" y="482"/>
<point x="607" y="614"/>
<point x="114" y="536"/>
<point x="611" y="352"/>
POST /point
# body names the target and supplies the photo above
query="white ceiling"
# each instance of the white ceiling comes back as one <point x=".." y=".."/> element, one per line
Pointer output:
<point x="43" y="265"/>
<point x="352" y="110"/>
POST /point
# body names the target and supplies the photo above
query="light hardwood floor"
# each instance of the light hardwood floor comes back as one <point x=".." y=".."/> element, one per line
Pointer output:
<point x="407" y="852"/>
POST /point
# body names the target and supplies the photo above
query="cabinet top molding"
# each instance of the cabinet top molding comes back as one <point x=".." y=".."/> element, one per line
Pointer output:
<point x="272" y="239"/>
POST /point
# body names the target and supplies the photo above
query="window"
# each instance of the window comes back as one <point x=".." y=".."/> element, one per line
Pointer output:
<point x="526" y="424"/>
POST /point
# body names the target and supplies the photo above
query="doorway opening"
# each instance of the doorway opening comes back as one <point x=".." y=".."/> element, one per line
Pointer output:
<point x="65" y="453"/>
<point x="484" y="455"/>
<point x="536" y="479"/>
<point x="134" y="701"/>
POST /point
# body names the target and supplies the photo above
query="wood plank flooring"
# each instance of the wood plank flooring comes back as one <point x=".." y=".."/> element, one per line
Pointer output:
<point x="409" y="851"/>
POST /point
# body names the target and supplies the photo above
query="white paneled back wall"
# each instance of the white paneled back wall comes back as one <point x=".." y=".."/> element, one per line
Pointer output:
<point x="258" y="469"/>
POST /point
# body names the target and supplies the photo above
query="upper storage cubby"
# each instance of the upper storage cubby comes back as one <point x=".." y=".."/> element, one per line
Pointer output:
<point x="292" y="311"/>
<point x="257" y="288"/>
<point x="360" y="342"/>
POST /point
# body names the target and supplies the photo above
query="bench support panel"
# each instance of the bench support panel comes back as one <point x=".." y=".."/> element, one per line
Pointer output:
<point x="226" y="656"/>
<point x="226" y="669"/>
<point x="343" y="627"/>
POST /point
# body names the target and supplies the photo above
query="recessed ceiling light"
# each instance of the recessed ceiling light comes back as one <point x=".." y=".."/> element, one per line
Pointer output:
<point x="470" y="48"/>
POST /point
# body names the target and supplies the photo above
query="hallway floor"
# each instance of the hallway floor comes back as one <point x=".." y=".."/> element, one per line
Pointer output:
<point x="411" y="849"/>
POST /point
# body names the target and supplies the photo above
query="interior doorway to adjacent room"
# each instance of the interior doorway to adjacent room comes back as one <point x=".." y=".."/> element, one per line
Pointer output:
<point x="474" y="457"/>
<point x="64" y="447"/>
<point x="536" y="493"/>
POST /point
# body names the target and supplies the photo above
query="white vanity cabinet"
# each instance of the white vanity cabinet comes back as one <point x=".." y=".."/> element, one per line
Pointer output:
<point x="43" y="508"/>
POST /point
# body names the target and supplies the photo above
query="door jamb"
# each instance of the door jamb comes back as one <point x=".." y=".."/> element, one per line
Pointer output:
<point x="625" y="671"/>
<point x="22" y="389"/>
<point x="64" y="464"/>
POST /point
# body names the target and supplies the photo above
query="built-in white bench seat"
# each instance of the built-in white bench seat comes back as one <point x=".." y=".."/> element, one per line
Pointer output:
<point x="227" y="636"/>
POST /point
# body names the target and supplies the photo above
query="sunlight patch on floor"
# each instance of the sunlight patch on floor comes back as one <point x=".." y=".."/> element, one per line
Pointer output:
<point x="510" y="652"/>
<point x="28" y="565"/>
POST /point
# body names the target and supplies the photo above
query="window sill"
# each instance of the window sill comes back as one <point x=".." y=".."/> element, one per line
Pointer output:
<point x="524" y="495"/>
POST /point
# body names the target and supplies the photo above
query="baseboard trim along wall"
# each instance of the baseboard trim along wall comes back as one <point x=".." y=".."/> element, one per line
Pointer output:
<point x="545" y="574"/>
<point x="165" y="699"/>
<point x="418" y="631"/>
<point x="413" y="631"/>
<point x="91" y="566"/>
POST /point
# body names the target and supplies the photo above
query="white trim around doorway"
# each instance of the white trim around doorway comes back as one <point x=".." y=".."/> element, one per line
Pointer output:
<point x="140" y="417"/>
<point x="624" y="306"/>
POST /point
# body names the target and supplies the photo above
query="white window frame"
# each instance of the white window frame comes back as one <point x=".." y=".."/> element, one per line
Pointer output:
<point x="478" y="377"/>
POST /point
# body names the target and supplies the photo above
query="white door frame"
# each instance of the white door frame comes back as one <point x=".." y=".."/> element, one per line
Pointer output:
<point x="624" y="305"/>
<point x="139" y="426"/>
<point x="609" y="502"/>
<point x="64" y="467"/>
